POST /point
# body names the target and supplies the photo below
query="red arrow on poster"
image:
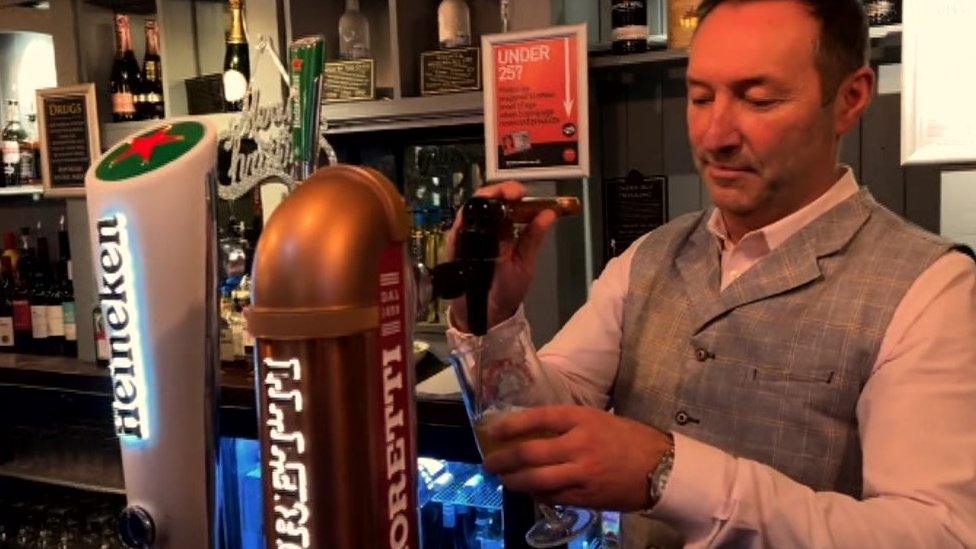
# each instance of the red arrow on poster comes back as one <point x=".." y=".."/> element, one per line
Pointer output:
<point x="535" y="104"/>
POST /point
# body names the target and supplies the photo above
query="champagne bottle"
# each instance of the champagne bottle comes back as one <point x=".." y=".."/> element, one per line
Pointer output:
<point x="152" y="75"/>
<point x="11" y="139"/>
<point x="237" y="61"/>
<point x="125" y="83"/>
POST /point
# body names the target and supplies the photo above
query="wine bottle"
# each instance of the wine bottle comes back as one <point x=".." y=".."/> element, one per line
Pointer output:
<point x="125" y="83"/>
<point x="6" y="305"/>
<point x="152" y="75"/>
<point x="23" y="332"/>
<point x="353" y="33"/>
<point x="10" y="250"/>
<point x="628" y="21"/>
<point x="11" y="139"/>
<point x="237" y="61"/>
<point x="100" y="332"/>
<point x="40" y="302"/>
<point x="453" y="24"/>
<point x="66" y="293"/>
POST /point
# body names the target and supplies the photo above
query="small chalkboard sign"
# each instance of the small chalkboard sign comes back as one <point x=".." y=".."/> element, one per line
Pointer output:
<point x="633" y="206"/>
<point x="68" y="127"/>
<point x="450" y="71"/>
<point x="353" y="80"/>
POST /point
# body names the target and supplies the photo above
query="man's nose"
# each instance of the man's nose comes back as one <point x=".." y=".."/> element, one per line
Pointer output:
<point x="723" y="132"/>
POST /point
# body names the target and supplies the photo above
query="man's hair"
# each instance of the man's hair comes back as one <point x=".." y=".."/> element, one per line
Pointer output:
<point x="842" y="46"/>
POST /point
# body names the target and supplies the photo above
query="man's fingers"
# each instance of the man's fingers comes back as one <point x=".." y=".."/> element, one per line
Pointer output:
<point x="549" y="420"/>
<point x="530" y="453"/>
<point x="510" y="191"/>
<point x="552" y="479"/>
<point x="534" y="235"/>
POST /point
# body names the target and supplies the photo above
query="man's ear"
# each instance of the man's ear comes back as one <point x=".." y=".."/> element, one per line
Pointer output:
<point x="854" y="96"/>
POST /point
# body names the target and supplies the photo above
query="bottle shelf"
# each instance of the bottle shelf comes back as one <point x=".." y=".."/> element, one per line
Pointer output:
<point x="89" y="479"/>
<point x="22" y="190"/>
<point x="598" y="61"/>
<point x="405" y="113"/>
<point x="54" y="372"/>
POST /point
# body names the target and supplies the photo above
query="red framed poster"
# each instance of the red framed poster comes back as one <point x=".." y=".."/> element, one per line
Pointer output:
<point x="536" y="104"/>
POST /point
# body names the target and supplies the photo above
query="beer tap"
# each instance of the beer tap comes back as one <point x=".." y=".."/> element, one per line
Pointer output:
<point x="484" y="222"/>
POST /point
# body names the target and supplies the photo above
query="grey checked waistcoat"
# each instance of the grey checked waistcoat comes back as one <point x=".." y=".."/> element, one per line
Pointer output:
<point x="771" y="368"/>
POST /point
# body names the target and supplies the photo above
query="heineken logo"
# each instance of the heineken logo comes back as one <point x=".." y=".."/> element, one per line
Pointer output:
<point x="115" y="295"/>
<point x="149" y="151"/>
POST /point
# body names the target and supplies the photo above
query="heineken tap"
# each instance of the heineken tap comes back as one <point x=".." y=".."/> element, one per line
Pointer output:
<point x="306" y="59"/>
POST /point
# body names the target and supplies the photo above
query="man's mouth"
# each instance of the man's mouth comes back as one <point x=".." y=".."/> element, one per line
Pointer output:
<point x="727" y="171"/>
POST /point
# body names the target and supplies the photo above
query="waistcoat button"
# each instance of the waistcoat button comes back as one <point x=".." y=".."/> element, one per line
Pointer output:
<point x="701" y="354"/>
<point x="681" y="417"/>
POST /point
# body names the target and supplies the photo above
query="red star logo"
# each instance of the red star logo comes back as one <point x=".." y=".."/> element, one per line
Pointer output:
<point x="145" y="146"/>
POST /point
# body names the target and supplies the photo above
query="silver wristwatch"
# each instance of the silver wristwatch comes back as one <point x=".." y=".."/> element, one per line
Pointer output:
<point x="657" y="480"/>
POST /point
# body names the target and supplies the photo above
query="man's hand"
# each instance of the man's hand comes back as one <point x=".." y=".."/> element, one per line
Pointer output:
<point x="586" y="458"/>
<point x="516" y="262"/>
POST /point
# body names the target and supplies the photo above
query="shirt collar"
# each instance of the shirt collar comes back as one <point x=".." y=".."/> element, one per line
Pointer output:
<point x="776" y="233"/>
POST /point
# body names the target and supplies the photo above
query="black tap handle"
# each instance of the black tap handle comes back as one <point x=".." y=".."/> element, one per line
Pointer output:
<point x="477" y="250"/>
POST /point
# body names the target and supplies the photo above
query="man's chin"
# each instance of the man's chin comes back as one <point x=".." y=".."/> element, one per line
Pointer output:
<point x="730" y="199"/>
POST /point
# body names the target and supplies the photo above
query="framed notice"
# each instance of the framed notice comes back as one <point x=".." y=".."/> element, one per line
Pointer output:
<point x="68" y="127"/>
<point x="353" y="80"/>
<point x="632" y="206"/>
<point x="536" y="104"/>
<point x="937" y="107"/>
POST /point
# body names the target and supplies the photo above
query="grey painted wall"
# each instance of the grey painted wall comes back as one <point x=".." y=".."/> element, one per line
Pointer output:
<point x="639" y="122"/>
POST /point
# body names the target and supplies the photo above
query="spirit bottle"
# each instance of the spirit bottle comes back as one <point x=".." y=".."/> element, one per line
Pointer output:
<point x="30" y="153"/>
<point x="12" y="137"/>
<point x="628" y="19"/>
<point x="454" y="24"/>
<point x="353" y="33"/>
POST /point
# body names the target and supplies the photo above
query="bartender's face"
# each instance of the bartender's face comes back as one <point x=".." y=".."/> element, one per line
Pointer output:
<point x="761" y="137"/>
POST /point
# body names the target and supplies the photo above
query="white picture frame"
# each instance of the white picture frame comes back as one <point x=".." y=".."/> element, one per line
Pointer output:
<point x="581" y="167"/>
<point x="938" y="112"/>
<point x="85" y="94"/>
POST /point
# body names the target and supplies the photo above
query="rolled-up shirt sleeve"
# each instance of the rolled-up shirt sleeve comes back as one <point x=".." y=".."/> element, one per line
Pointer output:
<point x="582" y="359"/>
<point x="917" y="425"/>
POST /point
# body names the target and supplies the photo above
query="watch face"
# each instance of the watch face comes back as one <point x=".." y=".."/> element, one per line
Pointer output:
<point x="657" y="480"/>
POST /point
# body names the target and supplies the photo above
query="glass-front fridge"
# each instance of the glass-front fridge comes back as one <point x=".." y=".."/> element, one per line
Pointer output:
<point x="461" y="506"/>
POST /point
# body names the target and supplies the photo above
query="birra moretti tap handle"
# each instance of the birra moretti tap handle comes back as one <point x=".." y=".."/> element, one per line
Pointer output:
<point x="331" y="291"/>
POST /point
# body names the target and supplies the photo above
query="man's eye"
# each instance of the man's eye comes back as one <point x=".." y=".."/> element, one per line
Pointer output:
<point x="699" y="101"/>
<point x="762" y="103"/>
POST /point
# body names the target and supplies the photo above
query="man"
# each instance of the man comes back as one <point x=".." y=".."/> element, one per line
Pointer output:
<point x="793" y="368"/>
